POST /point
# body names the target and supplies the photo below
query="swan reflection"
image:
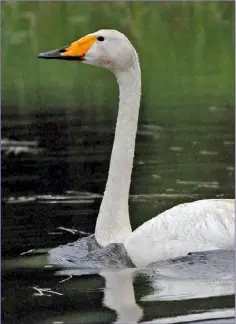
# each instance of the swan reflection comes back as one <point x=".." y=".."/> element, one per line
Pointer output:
<point x="187" y="289"/>
<point x="119" y="295"/>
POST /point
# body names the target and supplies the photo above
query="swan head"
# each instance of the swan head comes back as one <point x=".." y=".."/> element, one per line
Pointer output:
<point x="106" y="48"/>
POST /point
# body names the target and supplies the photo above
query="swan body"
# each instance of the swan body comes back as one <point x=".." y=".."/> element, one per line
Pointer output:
<point x="198" y="226"/>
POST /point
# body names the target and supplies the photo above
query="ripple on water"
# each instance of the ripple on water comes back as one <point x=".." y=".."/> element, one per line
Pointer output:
<point x="216" y="316"/>
<point x="9" y="147"/>
<point x="200" y="184"/>
<point x="205" y="152"/>
<point x="176" y="148"/>
<point x="69" y="197"/>
<point x="145" y="198"/>
<point x="228" y="142"/>
<point x="156" y="176"/>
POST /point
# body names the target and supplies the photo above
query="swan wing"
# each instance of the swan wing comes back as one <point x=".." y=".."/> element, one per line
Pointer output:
<point x="190" y="227"/>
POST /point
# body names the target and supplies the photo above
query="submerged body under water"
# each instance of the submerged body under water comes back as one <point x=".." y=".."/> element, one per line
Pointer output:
<point x="86" y="255"/>
<point x="53" y="177"/>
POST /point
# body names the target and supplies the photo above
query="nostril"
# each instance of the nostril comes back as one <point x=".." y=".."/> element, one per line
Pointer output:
<point x="62" y="50"/>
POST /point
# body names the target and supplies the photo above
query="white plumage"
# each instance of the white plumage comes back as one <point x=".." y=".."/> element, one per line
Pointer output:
<point x="198" y="226"/>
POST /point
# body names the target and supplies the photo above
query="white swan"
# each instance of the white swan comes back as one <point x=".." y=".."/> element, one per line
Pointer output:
<point x="196" y="226"/>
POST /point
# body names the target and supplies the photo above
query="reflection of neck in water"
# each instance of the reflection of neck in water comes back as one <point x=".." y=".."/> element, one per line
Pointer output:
<point x="119" y="295"/>
<point x="118" y="292"/>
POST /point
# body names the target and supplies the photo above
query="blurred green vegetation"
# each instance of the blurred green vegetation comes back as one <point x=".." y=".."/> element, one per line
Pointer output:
<point x="186" y="51"/>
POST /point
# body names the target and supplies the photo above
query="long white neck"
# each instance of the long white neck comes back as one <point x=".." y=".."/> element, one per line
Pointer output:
<point x="113" y="223"/>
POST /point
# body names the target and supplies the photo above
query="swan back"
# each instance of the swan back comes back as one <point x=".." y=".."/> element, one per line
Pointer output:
<point x="190" y="227"/>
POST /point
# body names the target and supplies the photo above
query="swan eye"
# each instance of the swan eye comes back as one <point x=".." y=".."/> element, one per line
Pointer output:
<point x="100" y="38"/>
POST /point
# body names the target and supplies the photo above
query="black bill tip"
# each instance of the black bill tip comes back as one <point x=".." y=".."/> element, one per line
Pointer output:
<point x="56" y="54"/>
<point x="50" y="55"/>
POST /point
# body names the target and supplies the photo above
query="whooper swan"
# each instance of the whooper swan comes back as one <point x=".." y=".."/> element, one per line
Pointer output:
<point x="190" y="227"/>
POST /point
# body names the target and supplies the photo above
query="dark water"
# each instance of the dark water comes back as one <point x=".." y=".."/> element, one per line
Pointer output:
<point x="54" y="169"/>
